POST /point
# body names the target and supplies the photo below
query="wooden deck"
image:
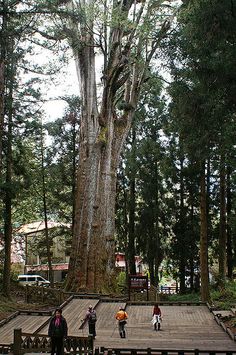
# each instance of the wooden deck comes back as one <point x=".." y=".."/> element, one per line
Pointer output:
<point x="28" y="323"/>
<point x="183" y="327"/>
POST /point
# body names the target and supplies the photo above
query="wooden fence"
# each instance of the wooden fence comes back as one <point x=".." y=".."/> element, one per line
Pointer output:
<point x="169" y="290"/>
<point x="5" y="348"/>
<point x="149" y="351"/>
<point x="38" y="343"/>
<point x="45" y="295"/>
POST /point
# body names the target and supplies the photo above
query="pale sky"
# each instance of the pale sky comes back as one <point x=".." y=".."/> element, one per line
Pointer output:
<point x="67" y="84"/>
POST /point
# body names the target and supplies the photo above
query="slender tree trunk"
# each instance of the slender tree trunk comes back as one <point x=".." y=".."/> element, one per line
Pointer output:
<point x="2" y="94"/>
<point x="8" y="191"/>
<point x="205" y="294"/>
<point x="193" y="240"/>
<point x="158" y="256"/>
<point x="229" y="229"/>
<point x="3" y="50"/>
<point x="131" y="234"/>
<point x="182" y="261"/>
<point x="222" y="231"/>
<point x="47" y="239"/>
<point x="73" y="120"/>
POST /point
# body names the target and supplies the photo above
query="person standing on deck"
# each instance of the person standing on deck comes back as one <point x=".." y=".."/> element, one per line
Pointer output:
<point x="57" y="331"/>
<point x="121" y="316"/>
<point x="91" y="317"/>
<point x="156" y="314"/>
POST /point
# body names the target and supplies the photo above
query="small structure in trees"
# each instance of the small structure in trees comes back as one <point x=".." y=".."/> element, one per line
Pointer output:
<point x="34" y="246"/>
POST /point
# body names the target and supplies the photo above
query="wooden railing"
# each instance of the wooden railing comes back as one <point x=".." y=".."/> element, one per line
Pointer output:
<point x="45" y="294"/>
<point x="5" y="348"/>
<point x="149" y="351"/>
<point x="35" y="343"/>
<point x="168" y="290"/>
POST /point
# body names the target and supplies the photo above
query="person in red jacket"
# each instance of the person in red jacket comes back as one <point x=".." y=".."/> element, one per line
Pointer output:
<point x="156" y="317"/>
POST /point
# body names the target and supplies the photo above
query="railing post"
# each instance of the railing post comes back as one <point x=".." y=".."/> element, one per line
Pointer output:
<point x="42" y="293"/>
<point x="26" y="294"/>
<point x="90" y="344"/>
<point x="17" y="342"/>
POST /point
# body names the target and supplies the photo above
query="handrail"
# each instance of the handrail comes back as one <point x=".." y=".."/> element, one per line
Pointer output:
<point x="29" y="343"/>
<point x="149" y="351"/>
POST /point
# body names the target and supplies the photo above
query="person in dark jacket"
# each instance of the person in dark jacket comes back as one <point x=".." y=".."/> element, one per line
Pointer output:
<point x="91" y="317"/>
<point x="57" y="331"/>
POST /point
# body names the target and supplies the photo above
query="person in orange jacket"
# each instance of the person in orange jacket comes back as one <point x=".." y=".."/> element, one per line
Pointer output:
<point x="121" y="316"/>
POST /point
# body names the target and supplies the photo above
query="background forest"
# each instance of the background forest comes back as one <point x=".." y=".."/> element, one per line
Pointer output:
<point x="176" y="177"/>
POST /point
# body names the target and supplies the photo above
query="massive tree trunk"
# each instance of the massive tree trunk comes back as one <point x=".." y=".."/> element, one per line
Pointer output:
<point x="105" y="124"/>
<point x="101" y="137"/>
<point x="204" y="274"/>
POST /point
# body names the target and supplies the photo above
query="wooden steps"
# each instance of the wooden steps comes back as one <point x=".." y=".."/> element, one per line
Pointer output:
<point x="183" y="327"/>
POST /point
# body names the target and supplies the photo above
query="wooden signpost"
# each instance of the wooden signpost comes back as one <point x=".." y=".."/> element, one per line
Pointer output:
<point x="137" y="282"/>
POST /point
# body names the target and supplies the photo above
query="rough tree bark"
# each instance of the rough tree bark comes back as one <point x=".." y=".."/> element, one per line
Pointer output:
<point x="104" y="126"/>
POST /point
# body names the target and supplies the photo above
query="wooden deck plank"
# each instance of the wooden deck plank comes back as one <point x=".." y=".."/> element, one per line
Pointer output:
<point x="186" y="327"/>
<point x="28" y="324"/>
<point x="74" y="312"/>
<point x="183" y="327"/>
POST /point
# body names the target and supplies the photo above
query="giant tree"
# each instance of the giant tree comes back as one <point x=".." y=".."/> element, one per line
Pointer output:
<point x="127" y="35"/>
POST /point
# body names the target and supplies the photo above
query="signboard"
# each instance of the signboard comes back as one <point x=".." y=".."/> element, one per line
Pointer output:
<point x="137" y="282"/>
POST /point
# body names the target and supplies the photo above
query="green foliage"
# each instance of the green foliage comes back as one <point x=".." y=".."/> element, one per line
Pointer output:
<point x="194" y="297"/>
<point x="121" y="284"/>
<point x="224" y="297"/>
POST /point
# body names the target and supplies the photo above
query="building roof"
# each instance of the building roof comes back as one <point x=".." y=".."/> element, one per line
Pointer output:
<point x="35" y="227"/>
<point x="44" y="267"/>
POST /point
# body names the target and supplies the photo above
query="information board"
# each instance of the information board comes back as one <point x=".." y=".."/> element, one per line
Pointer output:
<point x="138" y="282"/>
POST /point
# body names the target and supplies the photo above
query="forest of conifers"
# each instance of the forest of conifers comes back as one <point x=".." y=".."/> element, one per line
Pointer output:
<point x="142" y="160"/>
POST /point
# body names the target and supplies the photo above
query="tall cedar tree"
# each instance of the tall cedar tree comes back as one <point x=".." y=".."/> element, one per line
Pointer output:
<point x="128" y="34"/>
